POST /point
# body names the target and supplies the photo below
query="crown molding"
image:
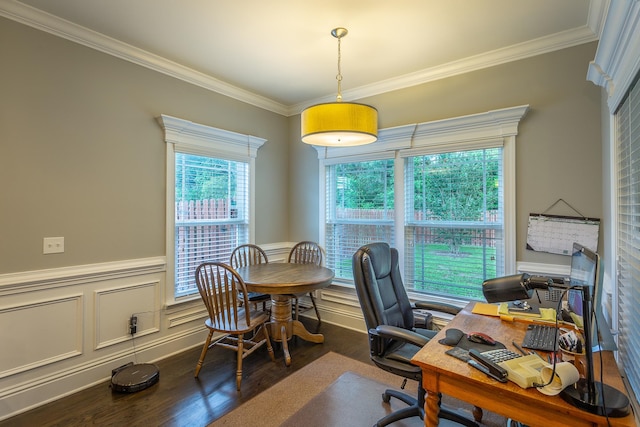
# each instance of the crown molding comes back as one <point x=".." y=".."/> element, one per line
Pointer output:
<point x="597" y="16"/>
<point x="512" y="53"/>
<point x="617" y="60"/>
<point x="51" y="24"/>
<point x="43" y="21"/>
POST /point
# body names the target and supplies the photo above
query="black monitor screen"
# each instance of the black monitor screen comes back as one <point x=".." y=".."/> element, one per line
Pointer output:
<point x="584" y="272"/>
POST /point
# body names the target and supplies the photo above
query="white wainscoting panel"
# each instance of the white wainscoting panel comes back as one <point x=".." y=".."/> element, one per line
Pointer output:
<point x="40" y="333"/>
<point x="115" y="306"/>
<point x="64" y="329"/>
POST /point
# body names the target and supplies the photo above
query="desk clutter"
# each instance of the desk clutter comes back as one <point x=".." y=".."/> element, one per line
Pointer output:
<point x="554" y="390"/>
<point x="526" y="369"/>
<point x="456" y="338"/>
<point x="504" y="311"/>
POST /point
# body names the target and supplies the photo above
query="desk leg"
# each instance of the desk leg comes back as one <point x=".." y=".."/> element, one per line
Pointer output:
<point x="431" y="409"/>
<point x="477" y="414"/>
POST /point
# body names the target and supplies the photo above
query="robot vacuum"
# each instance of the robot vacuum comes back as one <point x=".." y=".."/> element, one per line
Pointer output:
<point x="132" y="377"/>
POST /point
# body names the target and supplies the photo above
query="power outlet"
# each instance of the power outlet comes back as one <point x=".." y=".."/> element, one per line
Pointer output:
<point x="133" y="324"/>
<point x="53" y="245"/>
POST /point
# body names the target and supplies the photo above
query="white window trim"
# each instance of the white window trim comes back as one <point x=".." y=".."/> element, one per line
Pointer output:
<point x="483" y="130"/>
<point x="193" y="138"/>
<point x="616" y="63"/>
<point x="617" y="59"/>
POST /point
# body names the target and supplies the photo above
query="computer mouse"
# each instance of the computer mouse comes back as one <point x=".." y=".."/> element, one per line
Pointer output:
<point x="480" y="338"/>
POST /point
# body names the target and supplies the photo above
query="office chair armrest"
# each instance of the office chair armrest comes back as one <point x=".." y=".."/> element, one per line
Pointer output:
<point x="401" y="334"/>
<point x="436" y="306"/>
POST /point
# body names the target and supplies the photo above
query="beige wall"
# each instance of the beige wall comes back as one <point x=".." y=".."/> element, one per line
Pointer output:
<point x="82" y="156"/>
<point x="558" y="145"/>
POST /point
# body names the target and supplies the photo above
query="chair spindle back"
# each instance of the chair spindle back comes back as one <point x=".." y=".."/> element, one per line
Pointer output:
<point x="306" y="253"/>
<point x="220" y="287"/>
<point x="248" y="254"/>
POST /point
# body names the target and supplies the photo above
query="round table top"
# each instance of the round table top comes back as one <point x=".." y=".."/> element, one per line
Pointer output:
<point x="285" y="278"/>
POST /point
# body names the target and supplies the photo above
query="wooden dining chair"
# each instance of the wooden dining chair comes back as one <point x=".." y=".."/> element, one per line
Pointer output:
<point x="249" y="254"/>
<point x="244" y="329"/>
<point x="306" y="252"/>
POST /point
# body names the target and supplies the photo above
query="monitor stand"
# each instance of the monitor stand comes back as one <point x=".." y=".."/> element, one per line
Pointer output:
<point x="603" y="400"/>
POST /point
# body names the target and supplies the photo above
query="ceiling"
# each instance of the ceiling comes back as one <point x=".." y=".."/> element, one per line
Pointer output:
<point x="280" y="55"/>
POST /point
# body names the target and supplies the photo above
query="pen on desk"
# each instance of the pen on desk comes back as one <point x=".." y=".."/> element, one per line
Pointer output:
<point x="520" y="349"/>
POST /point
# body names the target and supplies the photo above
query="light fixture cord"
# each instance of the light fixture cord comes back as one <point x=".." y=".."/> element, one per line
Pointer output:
<point x="339" y="75"/>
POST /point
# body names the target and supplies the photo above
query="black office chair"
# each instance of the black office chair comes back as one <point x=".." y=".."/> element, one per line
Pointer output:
<point x="394" y="336"/>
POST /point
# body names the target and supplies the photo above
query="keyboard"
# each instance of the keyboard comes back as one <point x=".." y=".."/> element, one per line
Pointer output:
<point x="541" y="337"/>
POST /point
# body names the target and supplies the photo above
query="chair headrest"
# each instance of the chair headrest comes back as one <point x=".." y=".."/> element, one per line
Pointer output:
<point x="380" y="256"/>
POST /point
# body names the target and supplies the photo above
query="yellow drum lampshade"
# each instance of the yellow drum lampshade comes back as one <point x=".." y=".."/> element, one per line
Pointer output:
<point x="339" y="124"/>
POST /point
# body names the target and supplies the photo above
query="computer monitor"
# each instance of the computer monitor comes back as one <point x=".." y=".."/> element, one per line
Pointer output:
<point x="589" y="394"/>
<point x="586" y="271"/>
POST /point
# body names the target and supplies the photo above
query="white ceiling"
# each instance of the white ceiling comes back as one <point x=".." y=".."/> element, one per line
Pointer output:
<point x="280" y="55"/>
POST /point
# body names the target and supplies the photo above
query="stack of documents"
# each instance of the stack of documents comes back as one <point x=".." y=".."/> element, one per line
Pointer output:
<point x="502" y="310"/>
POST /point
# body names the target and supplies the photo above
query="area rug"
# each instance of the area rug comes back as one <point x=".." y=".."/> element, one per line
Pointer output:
<point x="332" y="391"/>
<point x="352" y="400"/>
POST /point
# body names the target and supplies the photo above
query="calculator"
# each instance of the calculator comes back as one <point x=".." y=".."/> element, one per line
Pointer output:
<point x="500" y="355"/>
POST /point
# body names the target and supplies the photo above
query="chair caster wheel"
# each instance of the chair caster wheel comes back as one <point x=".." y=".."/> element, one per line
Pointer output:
<point x="386" y="398"/>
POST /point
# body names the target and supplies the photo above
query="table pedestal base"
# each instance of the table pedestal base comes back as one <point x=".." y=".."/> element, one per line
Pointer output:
<point x="283" y="327"/>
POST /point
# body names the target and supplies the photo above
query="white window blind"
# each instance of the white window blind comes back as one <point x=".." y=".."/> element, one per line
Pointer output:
<point x="360" y="210"/>
<point x="211" y="213"/>
<point x="210" y="194"/>
<point x="454" y="222"/>
<point x="628" y="234"/>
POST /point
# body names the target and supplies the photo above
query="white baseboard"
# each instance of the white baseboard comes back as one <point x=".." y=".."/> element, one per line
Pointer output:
<point x="47" y="388"/>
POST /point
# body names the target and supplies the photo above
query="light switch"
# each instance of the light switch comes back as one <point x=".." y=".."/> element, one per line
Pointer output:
<point x="53" y="245"/>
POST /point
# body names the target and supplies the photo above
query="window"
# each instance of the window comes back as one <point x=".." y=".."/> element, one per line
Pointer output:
<point x="209" y="198"/>
<point x="453" y="221"/>
<point x="628" y="232"/>
<point x="211" y="214"/>
<point x="360" y="209"/>
<point x="442" y="193"/>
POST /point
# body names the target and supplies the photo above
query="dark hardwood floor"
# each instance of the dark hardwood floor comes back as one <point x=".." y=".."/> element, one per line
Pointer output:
<point x="178" y="399"/>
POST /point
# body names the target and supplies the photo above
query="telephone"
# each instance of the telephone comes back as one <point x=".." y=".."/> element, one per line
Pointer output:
<point x="525" y="371"/>
<point x="487" y="362"/>
<point x="503" y="365"/>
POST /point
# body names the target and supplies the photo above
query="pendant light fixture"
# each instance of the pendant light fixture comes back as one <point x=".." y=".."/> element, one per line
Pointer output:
<point x="339" y="124"/>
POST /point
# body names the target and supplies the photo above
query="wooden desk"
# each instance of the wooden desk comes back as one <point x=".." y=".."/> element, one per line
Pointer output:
<point x="281" y="280"/>
<point x="445" y="374"/>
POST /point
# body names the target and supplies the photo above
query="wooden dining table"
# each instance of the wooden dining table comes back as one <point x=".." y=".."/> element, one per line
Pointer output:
<point x="282" y="281"/>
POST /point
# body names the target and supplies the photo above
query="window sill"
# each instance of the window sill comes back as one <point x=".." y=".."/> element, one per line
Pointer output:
<point x="182" y="304"/>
